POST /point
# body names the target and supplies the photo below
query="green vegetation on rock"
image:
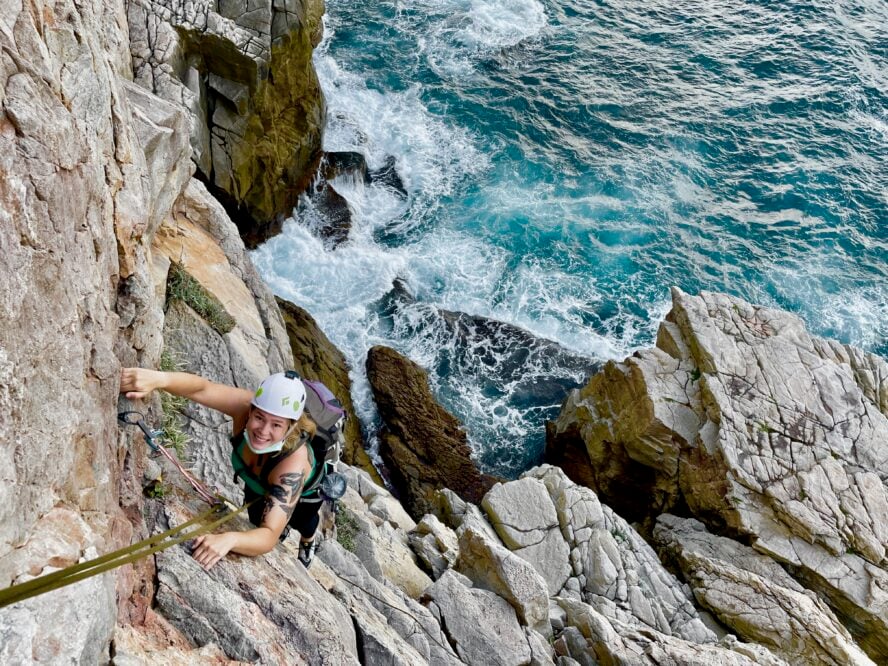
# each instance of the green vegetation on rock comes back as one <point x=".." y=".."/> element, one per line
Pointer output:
<point x="346" y="529"/>
<point x="182" y="286"/>
<point x="172" y="407"/>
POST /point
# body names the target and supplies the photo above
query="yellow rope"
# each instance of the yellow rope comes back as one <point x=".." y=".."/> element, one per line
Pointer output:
<point x="127" y="555"/>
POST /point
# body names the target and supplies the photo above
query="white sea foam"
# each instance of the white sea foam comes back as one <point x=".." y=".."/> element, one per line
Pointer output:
<point x="457" y="34"/>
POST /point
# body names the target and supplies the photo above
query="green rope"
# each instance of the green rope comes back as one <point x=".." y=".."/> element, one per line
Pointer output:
<point x="127" y="555"/>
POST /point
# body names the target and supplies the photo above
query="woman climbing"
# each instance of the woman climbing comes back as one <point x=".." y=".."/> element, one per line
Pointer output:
<point x="270" y="452"/>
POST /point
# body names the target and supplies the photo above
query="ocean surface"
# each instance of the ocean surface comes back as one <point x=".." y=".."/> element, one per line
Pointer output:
<point x="566" y="162"/>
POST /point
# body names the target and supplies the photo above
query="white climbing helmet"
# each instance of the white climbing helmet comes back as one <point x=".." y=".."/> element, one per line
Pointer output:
<point x="281" y="394"/>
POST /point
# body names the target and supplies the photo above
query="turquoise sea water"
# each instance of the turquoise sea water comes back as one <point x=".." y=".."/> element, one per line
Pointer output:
<point x="567" y="162"/>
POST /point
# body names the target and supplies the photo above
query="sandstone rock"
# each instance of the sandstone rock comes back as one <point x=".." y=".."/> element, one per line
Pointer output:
<point x="315" y="357"/>
<point x="435" y="545"/>
<point x="755" y="597"/>
<point x="244" y="73"/>
<point x="524" y="517"/>
<point x="763" y="432"/>
<point x="264" y="608"/>
<point x="491" y="566"/>
<point x="623" y="577"/>
<point x="482" y="626"/>
<point x="343" y="575"/>
<point x="422" y="444"/>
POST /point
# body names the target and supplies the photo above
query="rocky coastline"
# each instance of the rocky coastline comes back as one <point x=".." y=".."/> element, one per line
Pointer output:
<point x="720" y="498"/>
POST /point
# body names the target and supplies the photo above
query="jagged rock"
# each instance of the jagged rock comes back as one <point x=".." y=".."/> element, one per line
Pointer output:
<point x="390" y="510"/>
<point x="422" y="444"/>
<point x="541" y="653"/>
<point x="435" y="545"/>
<point x="524" y="517"/>
<point x="380" y="544"/>
<point x="388" y="558"/>
<point x="244" y="72"/>
<point x="345" y="164"/>
<point x="266" y="609"/>
<point x="343" y="575"/>
<point x="449" y="507"/>
<point x="623" y="577"/>
<point x="612" y="642"/>
<point x="201" y="238"/>
<point x="481" y="625"/>
<point x="259" y="322"/>
<point x="755" y="597"/>
<point x="315" y="357"/>
<point x="763" y="432"/>
<point x="160" y="129"/>
<point x="202" y="351"/>
<point x="388" y="176"/>
<point x="501" y="358"/>
<point x="335" y="219"/>
<point x="491" y="566"/>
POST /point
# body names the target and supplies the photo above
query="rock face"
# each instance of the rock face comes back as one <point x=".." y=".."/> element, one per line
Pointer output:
<point x="759" y="430"/>
<point x="87" y="170"/>
<point x="264" y="609"/>
<point x="244" y="72"/>
<point x="422" y="443"/>
<point x="754" y="596"/>
<point x="315" y="357"/>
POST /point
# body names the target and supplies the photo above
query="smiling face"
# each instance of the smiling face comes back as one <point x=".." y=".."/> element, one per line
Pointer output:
<point x="266" y="429"/>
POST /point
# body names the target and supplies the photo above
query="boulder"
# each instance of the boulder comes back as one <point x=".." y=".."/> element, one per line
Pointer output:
<point x="754" y="596"/>
<point x="436" y="545"/>
<point x="386" y="556"/>
<point x="524" y="517"/>
<point x="315" y="357"/>
<point x="491" y="566"/>
<point x="422" y="444"/>
<point x="480" y="625"/>
<point x="763" y="432"/>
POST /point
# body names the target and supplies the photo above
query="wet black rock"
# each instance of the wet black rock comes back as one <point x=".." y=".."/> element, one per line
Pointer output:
<point x="503" y="359"/>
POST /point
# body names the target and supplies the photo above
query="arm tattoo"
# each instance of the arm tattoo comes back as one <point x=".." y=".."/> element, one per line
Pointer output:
<point x="284" y="494"/>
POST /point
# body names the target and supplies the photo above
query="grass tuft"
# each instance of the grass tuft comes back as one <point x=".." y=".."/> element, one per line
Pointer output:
<point x="346" y="529"/>
<point x="183" y="287"/>
<point x="173" y="407"/>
